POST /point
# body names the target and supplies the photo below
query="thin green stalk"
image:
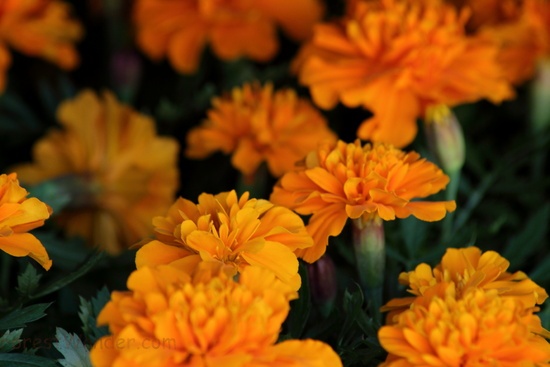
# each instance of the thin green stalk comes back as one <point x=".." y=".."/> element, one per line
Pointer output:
<point x="256" y="185"/>
<point x="450" y="194"/>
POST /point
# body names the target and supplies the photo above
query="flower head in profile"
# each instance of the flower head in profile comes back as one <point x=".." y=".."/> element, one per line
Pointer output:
<point x="42" y="28"/>
<point x="396" y="58"/>
<point x="257" y="124"/>
<point x="117" y="171"/>
<point x="18" y="215"/>
<point x="180" y="29"/>
<point x="170" y="317"/>
<point x="374" y="181"/>
<point x="468" y="268"/>
<point x="224" y="228"/>
<point x="480" y="328"/>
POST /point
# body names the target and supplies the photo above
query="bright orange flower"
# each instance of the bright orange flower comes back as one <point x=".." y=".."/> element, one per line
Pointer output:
<point x="18" y="215"/>
<point x="395" y="58"/>
<point x="41" y="28"/>
<point x="517" y="27"/>
<point x="180" y="29"/>
<point x="205" y="319"/>
<point x="468" y="268"/>
<point x="111" y="162"/>
<point x="341" y="181"/>
<point x="236" y="231"/>
<point x="481" y="328"/>
<point x="257" y="124"/>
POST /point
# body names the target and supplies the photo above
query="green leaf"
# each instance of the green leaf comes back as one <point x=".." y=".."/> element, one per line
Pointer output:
<point x="25" y="360"/>
<point x="9" y="340"/>
<point x="300" y="308"/>
<point x="20" y="317"/>
<point x="28" y="281"/>
<point x="89" y="310"/>
<point x="73" y="350"/>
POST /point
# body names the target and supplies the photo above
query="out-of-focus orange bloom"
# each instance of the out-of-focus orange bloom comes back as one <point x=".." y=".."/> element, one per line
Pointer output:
<point x="480" y="328"/>
<point x="118" y="172"/>
<point x="40" y="28"/>
<point x="18" y="215"/>
<point x="467" y="268"/>
<point x="180" y="29"/>
<point x="256" y="124"/>
<point x="171" y="317"/>
<point x="395" y="58"/>
<point x="518" y="27"/>
<point x="341" y="181"/>
<point x="239" y="232"/>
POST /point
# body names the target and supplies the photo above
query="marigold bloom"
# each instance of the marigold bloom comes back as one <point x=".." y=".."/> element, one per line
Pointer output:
<point x="40" y="28"/>
<point x="468" y="268"/>
<point x="180" y="29"/>
<point x="519" y="28"/>
<point x="479" y="329"/>
<point x="341" y="181"/>
<point x="18" y="215"/>
<point x="118" y="172"/>
<point x="395" y="58"/>
<point x="257" y="124"/>
<point x="173" y="318"/>
<point x="236" y="231"/>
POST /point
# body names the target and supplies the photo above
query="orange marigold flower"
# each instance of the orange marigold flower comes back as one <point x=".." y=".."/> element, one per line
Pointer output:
<point x="236" y="231"/>
<point x="117" y="171"/>
<point x="518" y="27"/>
<point x="257" y="124"/>
<point x="395" y="58"/>
<point x="481" y="328"/>
<point x="18" y="215"/>
<point x="204" y="318"/>
<point x="180" y="29"/>
<point x="468" y="268"/>
<point x="41" y="28"/>
<point x="341" y="181"/>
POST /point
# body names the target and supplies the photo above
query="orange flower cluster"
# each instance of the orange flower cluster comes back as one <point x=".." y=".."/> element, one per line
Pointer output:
<point x="521" y="30"/>
<point x="224" y="228"/>
<point x="41" y="28"/>
<point x="203" y="317"/>
<point x="180" y="29"/>
<point x="341" y="181"/>
<point x="257" y="124"/>
<point x="396" y="58"/>
<point x="18" y="215"/>
<point x="111" y="162"/>
<point x="468" y="311"/>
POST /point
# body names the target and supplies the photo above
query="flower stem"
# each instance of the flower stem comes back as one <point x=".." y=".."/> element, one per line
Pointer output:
<point x="256" y="185"/>
<point x="370" y="255"/>
<point x="450" y="194"/>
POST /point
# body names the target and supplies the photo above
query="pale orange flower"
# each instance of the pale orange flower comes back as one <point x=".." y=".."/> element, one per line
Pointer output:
<point x="40" y="28"/>
<point x="18" y="215"/>
<point x="396" y="58"/>
<point x="341" y="181"/>
<point x="481" y="328"/>
<point x="239" y="232"/>
<point x="205" y="319"/>
<point x="257" y="124"/>
<point x="467" y="268"/>
<point x="108" y="158"/>
<point x="180" y="29"/>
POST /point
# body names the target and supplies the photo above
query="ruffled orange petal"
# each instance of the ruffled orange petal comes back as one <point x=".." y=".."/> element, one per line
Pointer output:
<point x="25" y="244"/>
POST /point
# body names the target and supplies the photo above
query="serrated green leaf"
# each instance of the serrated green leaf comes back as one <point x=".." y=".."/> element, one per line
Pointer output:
<point x="9" y="340"/>
<point x="73" y="350"/>
<point x="27" y="282"/>
<point x="88" y="312"/>
<point x="25" y="360"/>
<point x="20" y="317"/>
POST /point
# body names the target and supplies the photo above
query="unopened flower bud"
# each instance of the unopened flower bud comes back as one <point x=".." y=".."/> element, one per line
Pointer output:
<point x="445" y="137"/>
<point x="323" y="283"/>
